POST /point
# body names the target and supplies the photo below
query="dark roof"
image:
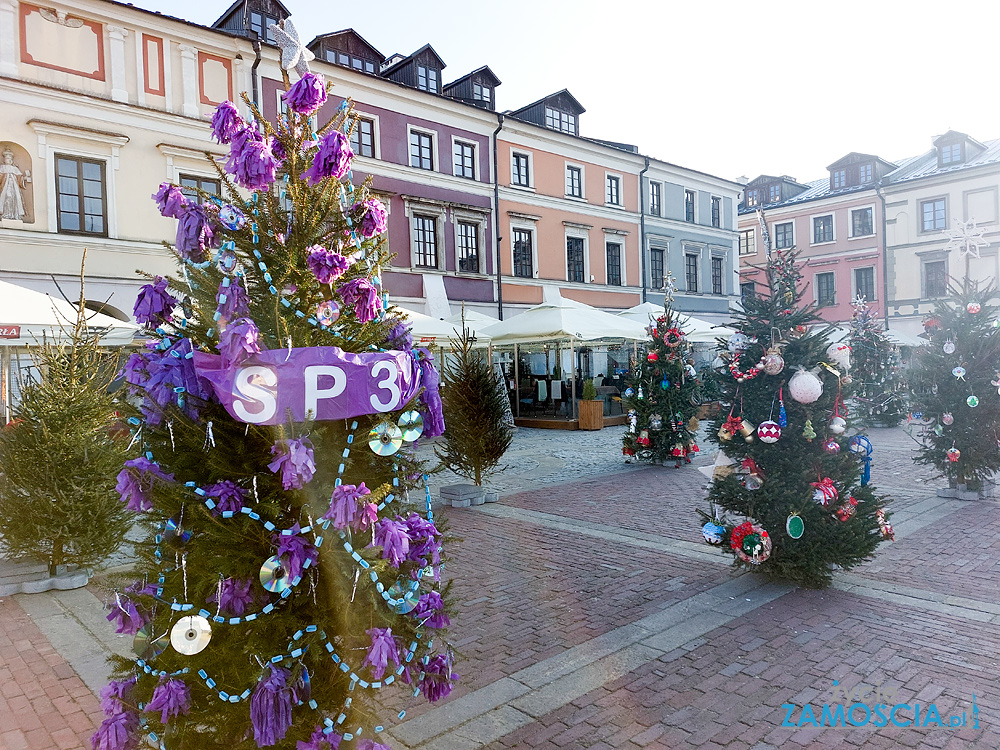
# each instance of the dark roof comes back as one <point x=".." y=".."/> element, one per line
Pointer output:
<point x="926" y="165"/>
<point x="855" y="157"/>
<point x="323" y="37"/>
<point x="564" y="93"/>
<point x="405" y="60"/>
<point x="484" y="71"/>
<point x="238" y="3"/>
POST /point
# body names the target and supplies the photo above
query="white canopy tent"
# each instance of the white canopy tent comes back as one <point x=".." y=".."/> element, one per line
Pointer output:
<point x="473" y="320"/>
<point x="698" y="331"/>
<point x="892" y="335"/>
<point x="434" y="332"/>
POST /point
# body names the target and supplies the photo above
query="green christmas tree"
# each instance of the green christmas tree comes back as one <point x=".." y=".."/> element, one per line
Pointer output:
<point x="57" y="494"/>
<point x="477" y="410"/>
<point x="879" y="398"/>
<point x="956" y="382"/>
<point x="794" y="506"/>
<point x="658" y="397"/>
<point x="292" y="570"/>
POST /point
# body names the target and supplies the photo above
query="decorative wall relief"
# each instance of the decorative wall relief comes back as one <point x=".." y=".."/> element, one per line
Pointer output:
<point x="16" y="193"/>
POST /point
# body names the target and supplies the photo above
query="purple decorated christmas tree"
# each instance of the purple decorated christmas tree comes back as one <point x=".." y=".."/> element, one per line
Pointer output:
<point x="292" y="567"/>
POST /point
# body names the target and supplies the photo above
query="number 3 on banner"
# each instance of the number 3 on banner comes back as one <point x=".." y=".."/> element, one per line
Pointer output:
<point x="387" y="383"/>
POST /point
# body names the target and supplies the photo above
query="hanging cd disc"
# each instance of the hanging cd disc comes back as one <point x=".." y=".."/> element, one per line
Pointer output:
<point x="385" y="439"/>
<point x="273" y="575"/>
<point x="174" y="536"/>
<point x="146" y="646"/>
<point x="408" y="595"/>
<point x="411" y="423"/>
<point x="190" y="635"/>
<point x="327" y="312"/>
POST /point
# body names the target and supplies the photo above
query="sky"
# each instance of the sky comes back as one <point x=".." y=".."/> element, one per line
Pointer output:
<point x="728" y="88"/>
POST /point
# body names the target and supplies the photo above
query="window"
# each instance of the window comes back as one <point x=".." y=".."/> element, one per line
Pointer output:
<point x="774" y="193"/>
<point x="427" y="79"/>
<point x="689" y="205"/>
<point x="716" y="211"/>
<point x="424" y="242"/>
<point x="951" y="154"/>
<point x="349" y="61"/>
<point x="864" y="283"/>
<point x="838" y="179"/>
<point x="519" y="170"/>
<point x="784" y="235"/>
<point x="613" y="191"/>
<point x="558" y="120"/>
<point x="748" y="290"/>
<point x="260" y="24"/>
<point x="752" y="198"/>
<point x="824" y="289"/>
<point x="861" y="222"/>
<point x="190" y="185"/>
<point x="935" y="279"/>
<point x="864" y="173"/>
<point x="748" y="242"/>
<point x="655" y="191"/>
<point x="691" y="272"/>
<point x="465" y="160"/>
<point x="933" y="214"/>
<point x="482" y="93"/>
<point x="574" y="259"/>
<point x="614" y="253"/>
<point x="523" y="265"/>
<point x="574" y="184"/>
<point x="656" y="275"/>
<point x="468" y="247"/>
<point x="363" y="137"/>
<point x="82" y="205"/>
<point x="822" y="229"/>
<point x="717" y="266"/>
<point x="421" y="150"/>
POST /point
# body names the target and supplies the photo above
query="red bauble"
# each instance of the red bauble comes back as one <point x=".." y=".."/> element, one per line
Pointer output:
<point x="652" y="357"/>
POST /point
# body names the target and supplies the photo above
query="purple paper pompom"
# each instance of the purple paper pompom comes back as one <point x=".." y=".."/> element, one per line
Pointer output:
<point x="306" y="95"/>
<point x="363" y="296"/>
<point x="438" y="678"/>
<point x="293" y="550"/>
<point x="251" y="162"/>
<point x="278" y="151"/>
<point x="332" y="158"/>
<point x="319" y="741"/>
<point x="369" y="744"/>
<point x="391" y="536"/>
<point x="271" y="707"/>
<point x="295" y="462"/>
<point x="226" y="122"/>
<point x="239" y="340"/>
<point x="236" y="303"/>
<point x="118" y="732"/>
<point x="327" y="265"/>
<point x="135" y="482"/>
<point x="127" y="616"/>
<point x="115" y="693"/>
<point x="430" y="611"/>
<point x="432" y="408"/>
<point x="228" y="496"/>
<point x="170" y="200"/>
<point x="171" y="698"/>
<point x="424" y="545"/>
<point x="154" y="303"/>
<point x="234" y="596"/>
<point x="382" y="650"/>
<point x="400" y="337"/>
<point x="172" y="379"/>
<point x="196" y="233"/>
<point x="375" y="219"/>
<point x="344" y="510"/>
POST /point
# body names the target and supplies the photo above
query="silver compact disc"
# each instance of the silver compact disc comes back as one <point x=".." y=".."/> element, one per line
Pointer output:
<point x="385" y="439"/>
<point x="411" y="424"/>
<point x="273" y="575"/>
<point x="190" y="635"/>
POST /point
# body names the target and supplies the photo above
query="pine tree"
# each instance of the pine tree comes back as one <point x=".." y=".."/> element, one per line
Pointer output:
<point x="954" y="379"/>
<point x="57" y="495"/>
<point x="476" y="409"/>
<point x="784" y="431"/>
<point x="658" y="397"/>
<point x="289" y="576"/>
<point x="879" y="397"/>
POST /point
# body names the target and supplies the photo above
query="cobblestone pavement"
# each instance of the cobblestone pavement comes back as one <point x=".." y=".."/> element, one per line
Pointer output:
<point x="589" y="614"/>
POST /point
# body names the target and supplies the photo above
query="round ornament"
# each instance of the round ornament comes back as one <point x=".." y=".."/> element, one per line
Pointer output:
<point x="655" y="422"/>
<point x="824" y="491"/>
<point x="231" y="217"/>
<point x="948" y="418"/>
<point x="805" y="387"/>
<point x="949" y="347"/>
<point x="973" y="308"/>
<point x="769" y="432"/>
<point x="174" y="536"/>
<point x="411" y="424"/>
<point x="795" y="527"/>
<point x="385" y="439"/>
<point x="840" y="355"/>
<point x="408" y="595"/>
<point x="959" y="372"/>
<point x="972" y="401"/>
<point x="227" y="261"/>
<point x="713" y="532"/>
<point x="847" y="509"/>
<point x="831" y="446"/>
<point x="837" y="425"/>
<point x="738" y="342"/>
<point x="751" y="543"/>
<point x="953" y="454"/>
<point x="938" y="430"/>
<point x="327" y="312"/>
<point x="774" y="363"/>
<point x="146" y="646"/>
<point x="273" y="575"/>
<point x="629" y="392"/>
<point x="190" y="635"/>
<point x="797" y="332"/>
<point x="652" y="357"/>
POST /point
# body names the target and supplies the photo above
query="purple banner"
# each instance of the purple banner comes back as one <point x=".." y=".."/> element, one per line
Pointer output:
<point x="324" y="382"/>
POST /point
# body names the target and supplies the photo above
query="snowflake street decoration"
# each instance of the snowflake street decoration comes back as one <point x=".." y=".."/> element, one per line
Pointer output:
<point x="293" y="53"/>
<point x="966" y="238"/>
<point x="859" y="303"/>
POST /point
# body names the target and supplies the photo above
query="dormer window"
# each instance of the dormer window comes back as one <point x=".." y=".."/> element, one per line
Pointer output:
<point x="864" y="173"/>
<point x="482" y="93"/>
<point x="774" y="193"/>
<point x="558" y="120"/>
<point x="349" y="61"/>
<point x="428" y="79"/>
<point x="260" y="24"/>
<point x="838" y="179"/>
<point x="950" y="154"/>
<point x="753" y="197"/>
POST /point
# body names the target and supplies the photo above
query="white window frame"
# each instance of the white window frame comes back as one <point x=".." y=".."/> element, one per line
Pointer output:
<point x="583" y="180"/>
<point x="854" y="282"/>
<point x="475" y="157"/>
<point x="439" y="212"/>
<point x="739" y="236"/>
<point x="722" y="221"/>
<point x="531" y="227"/>
<point x="713" y="256"/>
<point x="621" y="189"/>
<point x="660" y="244"/>
<point x="615" y="239"/>
<point x="815" y="286"/>
<point x="692" y="249"/>
<point x="435" y="156"/>
<point x="460" y="216"/>
<point x="920" y="213"/>
<point x="774" y="233"/>
<point x="694" y="206"/>
<point x="531" y="170"/>
<point x="850" y="222"/>
<point x="579" y="233"/>
<point x="376" y="129"/>
<point x="812" y="228"/>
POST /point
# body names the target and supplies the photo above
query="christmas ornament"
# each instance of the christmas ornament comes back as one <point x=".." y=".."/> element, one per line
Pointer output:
<point x="629" y="392"/>
<point x="949" y="347"/>
<point x="693" y="424"/>
<point x="652" y="357"/>
<point x="746" y="430"/>
<point x="795" y="527"/>
<point x="860" y="445"/>
<point x="797" y="332"/>
<point x="327" y="312"/>
<point x="831" y="446"/>
<point x="664" y="384"/>
<point x="411" y="424"/>
<point x="938" y="430"/>
<point x="774" y="363"/>
<point x="672" y="337"/>
<point x="837" y="425"/>
<point x="639" y="394"/>
<point x="973" y="308"/>
<point x="953" y="453"/>
<point x="385" y="439"/>
<point x="808" y="432"/>
<point x="751" y="543"/>
<point x="948" y="418"/>
<point x="782" y="416"/>
<point x="633" y="420"/>
<point x="753" y="477"/>
<point x="847" y="509"/>
<point x="769" y="432"/>
<point x="713" y="533"/>
<point x="884" y="526"/>
<point x="805" y="387"/>
<point x="996" y="383"/>
<point x="840" y="355"/>
<point x="972" y="401"/>
<point x="738" y="342"/>
<point x="846" y="380"/>
<point x="730" y="427"/>
<point x="753" y="482"/>
<point x="959" y="372"/>
<point x="677" y="451"/>
<point x="231" y="217"/>
<point x="643" y="439"/>
<point x="190" y="635"/>
<point x="824" y="491"/>
<point x="655" y="421"/>
<point x="744" y="375"/>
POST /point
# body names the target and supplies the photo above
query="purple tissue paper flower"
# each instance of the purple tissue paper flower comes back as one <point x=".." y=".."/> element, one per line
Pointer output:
<point x="172" y="379"/>
<point x="370" y="744"/>
<point x="135" y="482"/>
<point x="295" y="462"/>
<point x="234" y="596"/>
<point x="306" y="95"/>
<point x="251" y="162"/>
<point x="294" y="549"/>
<point x="277" y="150"/>
<point x="118" y="732"/>
<point x="228" y="496"/>
<point x="114" y="693"/>
<point x="430" y="611"/>
<point x="327" y="265"/>
<point x="237" y="302"/>
<point x="154" y="303"/>
<point x="171" y="698"/>
<point x="400" y="337"/>
<point x="344" y="510"/>
<point x="196" y="233"/>
<point x="381" y="651"/>
<point x="332" y="158"/>
<point x="375" y="219"/>
<point x="271" y="707"/>
<point x="127" y="616"/>
<point x="364" y="297"/>
<point x="170" y="200"/>
<point x="424" y="546"/>
<point x="319" y="741"/>
<point x="391" y="536"/>
<point x="432" y="409"/>
<point x="239" y="340"/>
<point x="369" y="515"/>
<point x="226" y="122"/>
<point x="438" y="678"/>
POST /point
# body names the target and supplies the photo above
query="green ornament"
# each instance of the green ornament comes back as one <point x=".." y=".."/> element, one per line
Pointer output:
<point x="795" y="526"/>
<point x="972" y="401"/>
<point x="809" y="433"/>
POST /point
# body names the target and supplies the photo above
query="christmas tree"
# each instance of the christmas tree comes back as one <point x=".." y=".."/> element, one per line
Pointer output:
<point x="954" y="379"/>
<point x="287" y="577"/>
<point x="57" y="496"/>
<point x="795" y="504"/>
<point x="877" y="386"/>
<point x="476" y="409"/>
<point x="658" y="396"/>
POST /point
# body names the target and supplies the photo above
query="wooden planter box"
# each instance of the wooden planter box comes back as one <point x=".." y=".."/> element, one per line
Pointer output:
<point x="707" y="410"/>
<point x="591" y="415"/>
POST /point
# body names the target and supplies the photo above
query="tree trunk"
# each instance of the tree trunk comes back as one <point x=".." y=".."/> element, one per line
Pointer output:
<point x="56" y="558"/>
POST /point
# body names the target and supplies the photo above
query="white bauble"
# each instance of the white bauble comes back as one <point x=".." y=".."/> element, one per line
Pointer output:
<point x="805" y="387"/>
<point x="738" y="342"/>
<point x="840" y="355"/>
<point x="837" y="425"/>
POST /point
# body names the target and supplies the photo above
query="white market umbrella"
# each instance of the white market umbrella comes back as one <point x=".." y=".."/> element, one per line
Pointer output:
<point x="698" y="331"/>
<point x="898" y="338"/>
<point x="430" y="332"/>
<point x="564" y="319"/>
<point x="475" y="321"/>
